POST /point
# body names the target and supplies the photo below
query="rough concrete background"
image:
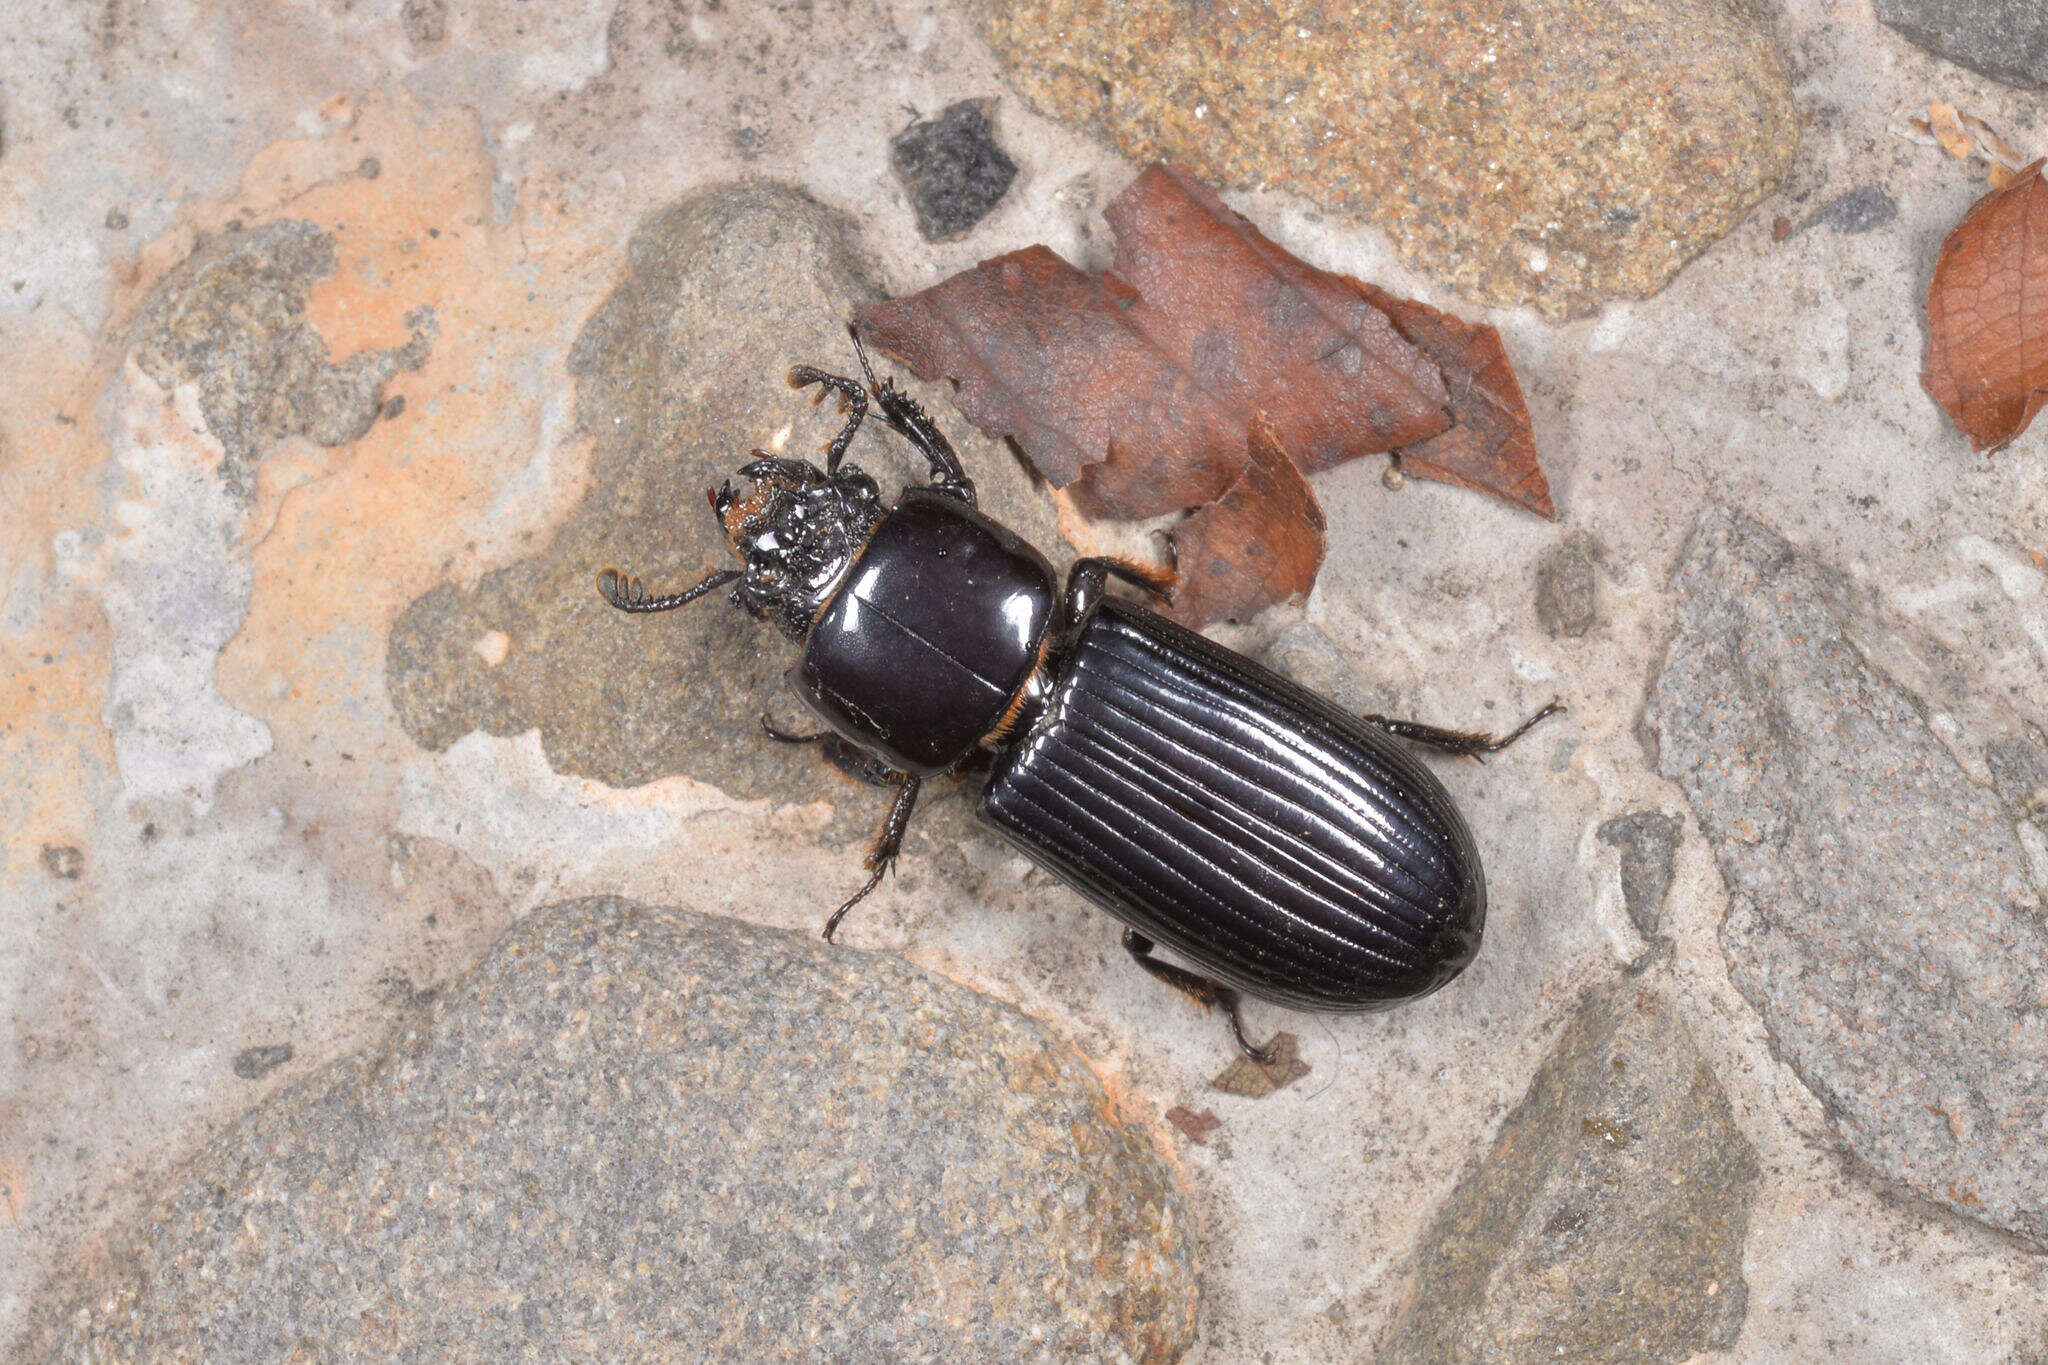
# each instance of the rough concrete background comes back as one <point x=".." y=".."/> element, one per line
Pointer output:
<point x="237" y="824"/>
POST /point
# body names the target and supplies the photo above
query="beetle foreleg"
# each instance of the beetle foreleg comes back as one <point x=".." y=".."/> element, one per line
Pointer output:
<point x="1200" y="989"/>
<point x="1473" y="744"/>
<point x="1086" y="579"/>
<point x="887" y="845"/>
<point x="627" y="594"/>
<point x="853" y="399"/>
<point x="916" y="426"/>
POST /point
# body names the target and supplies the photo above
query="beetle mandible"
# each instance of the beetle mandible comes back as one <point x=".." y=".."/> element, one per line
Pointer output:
<point x="1291" y="850"/>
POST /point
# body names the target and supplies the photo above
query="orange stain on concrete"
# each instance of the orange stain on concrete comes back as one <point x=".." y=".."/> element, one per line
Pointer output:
<point x="53" y="667"/>
<point x="348" y="537"/>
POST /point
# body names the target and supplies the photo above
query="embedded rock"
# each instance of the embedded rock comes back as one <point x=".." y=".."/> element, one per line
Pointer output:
<point x="1881" y="916"/>
<point x="1555" y="152"/>
<point x="680" y="372"/>
<point x="231" y="320"/>
<point x="2007" y="40"/>
<point x="649" y="1134"/>
<point x="1607" y="1223"/>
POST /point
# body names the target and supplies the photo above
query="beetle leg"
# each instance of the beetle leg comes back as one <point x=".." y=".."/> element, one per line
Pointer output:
<point x="887" y="845"/>
<point x="1472" y="744"/>
<point x="853" y="399"/>
<point x="1200" y="989"/>
<point x="627" y="595"/>
<point x="1086" y="579"/>
<point x="916" y="426"/>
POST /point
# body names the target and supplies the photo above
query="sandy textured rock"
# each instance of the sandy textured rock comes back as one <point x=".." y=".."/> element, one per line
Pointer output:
<point x="648" y="1134"/>
<point x="2005" y="39"/>
<point x="1881" y="918"/>
<point x="1561" y="152"/>
<point x="1607" y="1223"/>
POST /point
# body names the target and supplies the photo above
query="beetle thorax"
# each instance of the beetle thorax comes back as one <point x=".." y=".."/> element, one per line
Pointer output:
<point x="796" y="530"/>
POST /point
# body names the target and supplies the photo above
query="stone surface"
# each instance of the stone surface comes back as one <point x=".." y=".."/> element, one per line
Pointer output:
<point x="952" y="169"/>
<point x="1608" y="1221"/>
<point x="2005" y="39"/>
<point x="1881" y="915"/>
<point x="651" y="1134"/>
<point x="1648" y="841"/>
<point x="1561" y="152"/>
<point x="680" y="373"/>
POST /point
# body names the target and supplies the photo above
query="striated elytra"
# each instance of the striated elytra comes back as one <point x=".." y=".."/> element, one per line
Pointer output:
<point x="1285" y="848"/>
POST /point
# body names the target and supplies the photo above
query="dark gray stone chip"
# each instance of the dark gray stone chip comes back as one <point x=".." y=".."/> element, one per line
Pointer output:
<point x="952" y="168"/>
<point x="1648" y="841"/>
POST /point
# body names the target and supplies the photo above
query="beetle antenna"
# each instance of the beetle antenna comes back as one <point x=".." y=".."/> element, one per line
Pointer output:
<point x="628" y="595"/>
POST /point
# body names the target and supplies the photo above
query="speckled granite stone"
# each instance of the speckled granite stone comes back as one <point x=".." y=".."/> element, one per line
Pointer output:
<point x="648" y="1134"/>
<point x="1557" y="152"/>
<point x="1881" y="916"/>
<point x="1607" y="1223"/>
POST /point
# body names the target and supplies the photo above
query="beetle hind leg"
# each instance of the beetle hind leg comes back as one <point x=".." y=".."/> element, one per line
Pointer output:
<point x="1470" y="743"/>
<point x="887" y="845"/>
<point x="1201" y="989"/>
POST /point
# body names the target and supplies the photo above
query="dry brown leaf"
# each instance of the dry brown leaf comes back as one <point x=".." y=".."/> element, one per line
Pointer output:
<point x="1134" y="391"/>
<point x="1490" y="446"/>
<point x="2000" y="177"/>
<point x="1047" y="355"/>
<point x="1139" y="387"/>
<point x="1256" y="1080"/>
<point x="1267" y="332"/>
<point x="1987" y="314"/>
<point x="1260" y="544"/>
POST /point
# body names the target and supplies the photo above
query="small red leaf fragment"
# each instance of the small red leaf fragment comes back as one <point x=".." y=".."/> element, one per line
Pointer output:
<point x="1987" y="315"/>
<point x="1197" y="1127"/>
<point x="1259" y="544"/>
<point x="1490" y="447"/>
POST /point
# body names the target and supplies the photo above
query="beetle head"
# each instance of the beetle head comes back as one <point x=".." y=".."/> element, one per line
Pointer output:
<point x="796" y="530"/>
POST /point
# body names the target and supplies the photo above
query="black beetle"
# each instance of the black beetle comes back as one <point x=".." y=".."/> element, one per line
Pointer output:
<point x="1291" y="850"/>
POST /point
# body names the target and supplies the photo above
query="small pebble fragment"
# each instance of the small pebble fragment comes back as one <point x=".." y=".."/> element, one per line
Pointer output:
<point x="952" y="168"/>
